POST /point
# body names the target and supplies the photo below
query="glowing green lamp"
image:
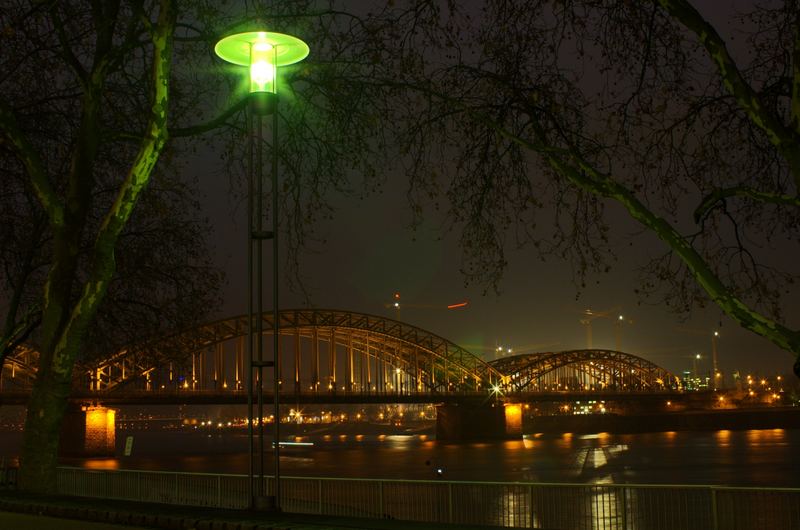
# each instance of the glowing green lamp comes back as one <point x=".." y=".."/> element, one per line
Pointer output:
<point x="263" y="52"/>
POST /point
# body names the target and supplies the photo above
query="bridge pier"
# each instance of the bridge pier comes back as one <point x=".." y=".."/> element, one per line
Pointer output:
<point x="465" y="422"/>
<point x="88" y="431"/>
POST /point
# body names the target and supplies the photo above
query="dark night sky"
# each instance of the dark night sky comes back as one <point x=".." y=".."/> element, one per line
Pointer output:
<point x="370" y="254"/>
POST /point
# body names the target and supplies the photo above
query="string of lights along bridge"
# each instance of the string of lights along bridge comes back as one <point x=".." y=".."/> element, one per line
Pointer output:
<point x="345" y="353"/>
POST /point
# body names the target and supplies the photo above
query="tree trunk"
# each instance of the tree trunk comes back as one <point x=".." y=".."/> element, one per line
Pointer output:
<point x="64" y="324"/>
<point x="46" y="410"/>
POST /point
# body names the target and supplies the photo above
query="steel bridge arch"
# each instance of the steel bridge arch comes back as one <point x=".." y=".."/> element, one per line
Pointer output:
<point x="435" y="364"/>
<point x="19" y="370"/>
<point x="592" y="369"/>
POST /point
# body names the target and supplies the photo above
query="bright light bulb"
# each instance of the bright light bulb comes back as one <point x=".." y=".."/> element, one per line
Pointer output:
<point x="262" y="67"/>
<point x="262" y="73"/>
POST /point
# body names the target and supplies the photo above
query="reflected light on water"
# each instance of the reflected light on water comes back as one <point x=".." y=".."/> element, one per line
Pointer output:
<point x="400" y="441"/>
<point x="566" y="440"/>
<point x="723" y="437"/>
<point x="754" y="436"/>
<point x="736" y="458"/>
<point x="514" y="445"/>
<point x="101" y="463"/>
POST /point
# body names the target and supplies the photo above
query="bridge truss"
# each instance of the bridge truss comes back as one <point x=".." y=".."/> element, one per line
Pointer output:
<point x="347" y="353"/>
<point x="19" y="370"/>
<point x="321" y="351"/>
<point x="584" y="370"/>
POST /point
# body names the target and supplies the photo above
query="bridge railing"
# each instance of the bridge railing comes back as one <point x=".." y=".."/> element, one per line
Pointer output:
<point x="519" y="505"/>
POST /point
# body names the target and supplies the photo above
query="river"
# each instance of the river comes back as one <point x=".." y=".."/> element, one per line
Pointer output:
<point x="769" y="458"/>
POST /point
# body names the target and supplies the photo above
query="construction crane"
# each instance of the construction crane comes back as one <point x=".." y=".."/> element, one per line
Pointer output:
<point x="589" y="316"/>
<point x="618" y="323"/>
<point x="718" y="380"/>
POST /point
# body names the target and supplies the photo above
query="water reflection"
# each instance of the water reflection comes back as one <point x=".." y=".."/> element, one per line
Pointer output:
<point x="724" y="436"/>
<point x="737" y="458"/>
<point x="102" y="463"/>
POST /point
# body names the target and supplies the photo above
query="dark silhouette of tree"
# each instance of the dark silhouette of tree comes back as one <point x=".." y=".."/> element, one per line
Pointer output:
<point x="528" y="118"/>
<point x="84" y="120"/>
<point x="100" y="101"/>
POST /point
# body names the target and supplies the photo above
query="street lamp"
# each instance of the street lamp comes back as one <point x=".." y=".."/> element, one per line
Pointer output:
<point x="696" y="359"/>
<point x="263" y="52"/>
<point x="715" y="367"/>
<point x="618" y="331"/>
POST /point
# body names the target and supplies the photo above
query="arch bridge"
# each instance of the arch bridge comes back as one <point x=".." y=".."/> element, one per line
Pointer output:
<point x="346" y="353"/>
<point x="583" y="371"/>
<point x="321" y="351"/>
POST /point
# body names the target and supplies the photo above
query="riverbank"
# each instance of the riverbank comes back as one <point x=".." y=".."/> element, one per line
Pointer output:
<point x="734" y="420"/>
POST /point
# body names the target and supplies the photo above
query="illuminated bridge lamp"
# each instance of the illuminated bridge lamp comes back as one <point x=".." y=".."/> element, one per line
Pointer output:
<point x="263" y="52"/>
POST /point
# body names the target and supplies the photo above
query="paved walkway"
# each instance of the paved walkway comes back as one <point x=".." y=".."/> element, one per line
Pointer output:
<point x="21" y="511"/>
<point x="24" y="521"/>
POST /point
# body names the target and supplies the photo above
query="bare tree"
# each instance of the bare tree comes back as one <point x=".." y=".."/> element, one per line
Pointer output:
<point x="93" y="92"/>
<point x="525" y="119"/>
<point x="80" y="83"/>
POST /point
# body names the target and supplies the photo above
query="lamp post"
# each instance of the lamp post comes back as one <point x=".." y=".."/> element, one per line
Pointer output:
<point x="263" y="53"/>
<point x="715" y="367"/>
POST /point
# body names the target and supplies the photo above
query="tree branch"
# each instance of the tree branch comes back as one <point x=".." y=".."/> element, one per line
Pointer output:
<point x="717" y="195"/>
<point x="69" y="56"/>
<point x="587" y="177"/>
<point x="783" y="138"/>
<point x="33" y="165"/>
<point x="796" y="76"/>
<point x="115" y="219"/>
<point x="584" y="175"/>
<point x="211" y="124"/>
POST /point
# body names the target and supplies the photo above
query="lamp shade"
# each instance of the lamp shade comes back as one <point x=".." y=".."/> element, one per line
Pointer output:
<point x="263" y="52"/>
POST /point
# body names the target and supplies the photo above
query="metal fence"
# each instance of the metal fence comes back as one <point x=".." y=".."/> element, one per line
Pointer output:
<point x="8" y="475"/>
<point x="515" y="505"/>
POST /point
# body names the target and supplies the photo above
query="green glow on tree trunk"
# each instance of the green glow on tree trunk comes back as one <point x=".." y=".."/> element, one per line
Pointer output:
<point x="263" y="52"/>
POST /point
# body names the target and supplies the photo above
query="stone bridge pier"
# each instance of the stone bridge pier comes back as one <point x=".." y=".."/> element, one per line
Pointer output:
<point x="88" y="431"/>
<point x="468" y="422"/>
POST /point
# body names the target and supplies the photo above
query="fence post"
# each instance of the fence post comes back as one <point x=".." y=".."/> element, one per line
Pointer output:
<point x="219" y="491"/>
<point x="139" y="485"/>
<point x="380" y="500"/>
<point x="714" y="522"/>
<point x="449" y="502"/>
<point x="624" y="507"/>
<point x="531" y="504"/>
<point x="319" y="495"/>
<point x="175" y="500"/>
